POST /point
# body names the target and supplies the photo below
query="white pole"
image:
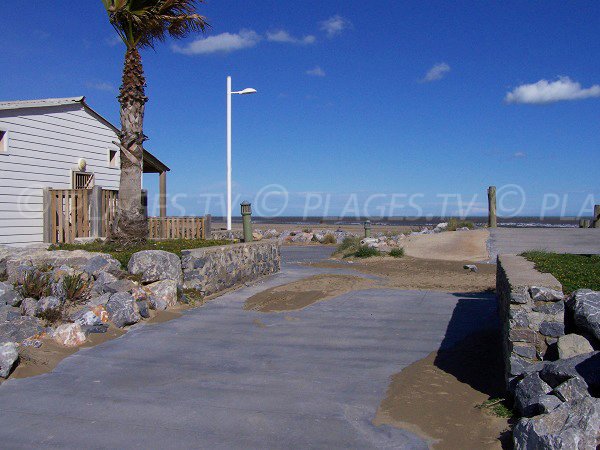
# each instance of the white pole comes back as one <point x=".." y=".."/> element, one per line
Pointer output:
<point x="229" y="153"/>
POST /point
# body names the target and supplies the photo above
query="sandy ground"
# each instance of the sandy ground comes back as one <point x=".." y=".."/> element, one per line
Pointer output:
<point x="450" y="245"/>
<point x="438" y="397"/>
<point x="305" y="292"/>
<point x="422" y="274"/>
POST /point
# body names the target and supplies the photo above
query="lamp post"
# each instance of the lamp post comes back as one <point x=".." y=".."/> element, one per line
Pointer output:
<point x="229" y="93"/>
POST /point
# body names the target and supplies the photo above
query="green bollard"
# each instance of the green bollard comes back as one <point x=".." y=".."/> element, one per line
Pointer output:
<point x="368" y="229"/>
<point x="247" y="221"/>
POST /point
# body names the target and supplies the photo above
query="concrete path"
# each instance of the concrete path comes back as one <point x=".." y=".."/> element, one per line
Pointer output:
<point x="561" y="240"/>
<point x="222" y="377"/>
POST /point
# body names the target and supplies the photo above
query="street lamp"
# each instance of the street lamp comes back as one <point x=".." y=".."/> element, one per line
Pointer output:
<point x="229" y="92"/>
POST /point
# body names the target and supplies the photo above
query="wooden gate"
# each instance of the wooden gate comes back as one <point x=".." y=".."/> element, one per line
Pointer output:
<point x="69" y="214"/>
<point x="176" y="228"/>
<point x="109" y="210"/>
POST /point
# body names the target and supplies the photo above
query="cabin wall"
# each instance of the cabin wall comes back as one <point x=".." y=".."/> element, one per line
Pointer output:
<point x="44" y="146"/>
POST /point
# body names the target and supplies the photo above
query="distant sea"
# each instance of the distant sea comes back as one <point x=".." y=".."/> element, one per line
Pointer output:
<point x="513" y="222"/>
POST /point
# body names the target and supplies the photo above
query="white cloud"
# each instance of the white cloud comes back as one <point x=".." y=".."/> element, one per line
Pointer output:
<point x="545" y="91"/>
<point x="437" y="72"/>
<point x="224" y="42"/>
<point x="519" y="155"/>
<point x="335" y="25"/>
<point x="100" y="86"/>
<point x="285" y="37"/>
<point x="316" y="72"/>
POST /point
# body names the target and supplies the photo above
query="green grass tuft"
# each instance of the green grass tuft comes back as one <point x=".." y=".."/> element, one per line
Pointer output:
<point x="123" y="254"/>
<point x="573" y="271"/>
<point x="498" y="407"/>
<point x="397" y="252"/>
<point x="454" y="224"/>
<point x="364" y="251"/>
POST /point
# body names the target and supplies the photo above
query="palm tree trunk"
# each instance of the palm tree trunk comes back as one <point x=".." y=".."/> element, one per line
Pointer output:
<point x="131" y="225"/>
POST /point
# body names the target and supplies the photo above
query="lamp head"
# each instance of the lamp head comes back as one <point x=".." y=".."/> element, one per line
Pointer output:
<point x="247" y="91"/>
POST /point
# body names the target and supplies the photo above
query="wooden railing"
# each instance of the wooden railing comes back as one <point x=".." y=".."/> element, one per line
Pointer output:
<point x="83" y="213"/>
<point x="177" y="228"/>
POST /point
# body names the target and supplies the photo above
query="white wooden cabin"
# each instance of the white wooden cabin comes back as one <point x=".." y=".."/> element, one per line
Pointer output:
<point x="47" y="143"/>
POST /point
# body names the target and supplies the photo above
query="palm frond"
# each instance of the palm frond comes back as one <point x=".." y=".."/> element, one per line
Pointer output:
<point x="141" y="23"/>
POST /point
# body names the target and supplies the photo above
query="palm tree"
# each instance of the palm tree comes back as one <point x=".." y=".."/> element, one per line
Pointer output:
<point x="140" y="24"/>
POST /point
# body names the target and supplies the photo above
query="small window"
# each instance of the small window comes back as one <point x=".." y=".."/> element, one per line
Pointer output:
<point x="112" y="158"/>
<point x="3" y="141"/>
<point x="83" y="180"/>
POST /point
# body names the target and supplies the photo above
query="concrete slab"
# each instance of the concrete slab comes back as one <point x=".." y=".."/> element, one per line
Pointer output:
<point x="513" y="241"/>
<point x="215" y="378"/>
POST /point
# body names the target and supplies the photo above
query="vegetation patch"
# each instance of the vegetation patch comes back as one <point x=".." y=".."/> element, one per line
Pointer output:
<point x="348" y="247"/>
<point x="35" y="285"/>
<point x="397" y="252"/>
<point x="123" y="254"/>
<point x="498" y="407"/>
<point x="328" y="239"/>
<point x="364" y="251"/>
<point x="573" y="271"/>
<point x="454" y="224"/>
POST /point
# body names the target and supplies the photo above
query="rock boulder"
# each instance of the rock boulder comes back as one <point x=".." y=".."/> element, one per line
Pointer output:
<point x="573" y="345"/>
<point x="8" y="357"/>
<point x="585" y="307"/>
<point x="156" y="265"/>
<point x="122" y="309"/>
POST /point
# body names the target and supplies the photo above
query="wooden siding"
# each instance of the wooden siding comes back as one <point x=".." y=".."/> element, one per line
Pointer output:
<point x="44" y="145"/>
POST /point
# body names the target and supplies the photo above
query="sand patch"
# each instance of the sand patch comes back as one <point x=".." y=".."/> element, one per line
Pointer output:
<point x="437" y="397"/>
<point x="422" y="274"/>
<point x="302" y="293"/>
<point x="449" y="245"/>
<point x="37" y="361"/>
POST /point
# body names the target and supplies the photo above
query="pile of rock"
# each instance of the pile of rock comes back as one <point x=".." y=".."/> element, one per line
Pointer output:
<point x="558" y="400"/>
<point x="36" y="301"/>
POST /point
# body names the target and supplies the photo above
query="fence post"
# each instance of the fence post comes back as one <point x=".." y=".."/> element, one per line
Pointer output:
<point x="145" y="202"/>
<point x="492" y="220"/>
<point x="47" y="200"/>
<point x="596" y="223"/>
<point x="207" y="226"/>
<point x="96" y="212"/>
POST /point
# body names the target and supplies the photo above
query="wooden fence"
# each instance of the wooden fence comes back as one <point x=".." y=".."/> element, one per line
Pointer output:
<point x="83" y="213"/>
<point x="177" y="227"/>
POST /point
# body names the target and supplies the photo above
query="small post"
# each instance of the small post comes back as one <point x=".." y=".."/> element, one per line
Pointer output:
<point x="492" y="220"/>
<point x="207" y="226"/>
<point x="162" y="196"/>
<point x="96" y="212"/>
<point x="584" y="223"/>
<point x="596" y="222"/>
<point x="145" y="202"/>
<point x="247" y="221"/>
<point x="367" y="228"/>
<point x="47" y="199"/>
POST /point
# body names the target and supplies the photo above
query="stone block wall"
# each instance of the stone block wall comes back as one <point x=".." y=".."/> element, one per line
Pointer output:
<point x="214" y="269"/>
<point x="532" y="312"/>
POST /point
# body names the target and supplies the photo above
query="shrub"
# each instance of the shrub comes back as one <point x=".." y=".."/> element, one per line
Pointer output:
<point x="348" y="243"/>
<point x="454" y="224"/>
<point x="36" y="285"/>
<point x="397" y="252"/>
<point x="52" y="316"/>
<point x="364" y="251"/>
<point x="307" y="230"/>
<point x="328" y="239"/>
<point x="77" y="290"/>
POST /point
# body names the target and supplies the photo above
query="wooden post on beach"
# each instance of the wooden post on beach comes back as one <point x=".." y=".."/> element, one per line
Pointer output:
<point x="492" y="221"/>
<point x="596" y="222"/>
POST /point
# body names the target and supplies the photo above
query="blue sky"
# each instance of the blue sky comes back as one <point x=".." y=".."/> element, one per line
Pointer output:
<point x="431" y="98"/>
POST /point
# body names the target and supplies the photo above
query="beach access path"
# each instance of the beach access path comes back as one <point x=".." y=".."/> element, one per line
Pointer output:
<point x="513" y="241"/>
<point x="224" y="377"/>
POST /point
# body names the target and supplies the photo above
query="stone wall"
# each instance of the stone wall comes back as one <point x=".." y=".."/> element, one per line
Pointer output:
<point x="214" y="269"/>
<point x="532" y="309"/>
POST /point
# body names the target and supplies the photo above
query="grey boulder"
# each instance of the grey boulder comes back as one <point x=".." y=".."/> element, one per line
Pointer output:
<point x="528" y="394"/>
<point x="586" y="366"/>
<point x="102" y="263"/>
<point x="543" y="294"/>
<point x="162" y="294"/>
<point x="28" y="306"/>
<point x="8" y="357"/>
<point x="572" y="389"/>
<point x="585" y="306"/>
<point x="571" y="345"/>
<point x="572" y="425"/>
<point x="9" y="296"/>
<point x="17" y="328"/>
<point x="155" y="265"/>
<point x="45" y="304"/>
<point x="122" y="309"/>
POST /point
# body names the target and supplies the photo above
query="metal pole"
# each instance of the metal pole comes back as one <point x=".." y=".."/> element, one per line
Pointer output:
<point x="492" y="220"/>
<point x="228" y="153"/>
